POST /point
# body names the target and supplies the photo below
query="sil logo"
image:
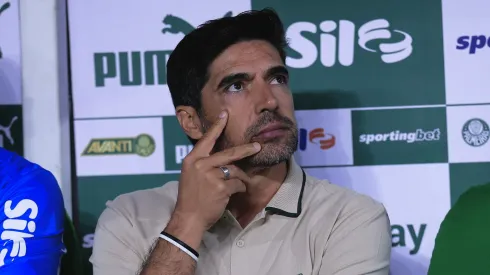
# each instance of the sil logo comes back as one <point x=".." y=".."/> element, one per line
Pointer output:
<point x="339" y="40"/>
<point x="475" y="132"/>
<point x="316" y="136"/>
<point x="16" y="228"/>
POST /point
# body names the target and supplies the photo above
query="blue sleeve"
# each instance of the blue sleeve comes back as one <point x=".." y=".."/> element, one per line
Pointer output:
<point x="31" y="224"/>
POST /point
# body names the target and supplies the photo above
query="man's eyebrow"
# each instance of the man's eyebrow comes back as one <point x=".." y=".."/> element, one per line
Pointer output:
<point x="232" y="78"/>
<point x="275" y="71"/>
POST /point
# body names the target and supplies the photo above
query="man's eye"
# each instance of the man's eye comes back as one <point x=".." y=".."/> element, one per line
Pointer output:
<point x="235" y="87"/>
<point x="279" y="79"/>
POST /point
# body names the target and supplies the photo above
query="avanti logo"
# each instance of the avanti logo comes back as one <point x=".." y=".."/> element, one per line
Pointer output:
<point x="7" y="133"/>
<point x="16" y="229"/>
<point x="409" y="137"/>
<point x="475" y="132"/>
<point x="142" y="145"/>
<point x="401" y="235"/>
<point x="316" y="136"/>
<point x="3" y="8"/>
<point x="136" y="68"/>
<point x="341" y="47"/>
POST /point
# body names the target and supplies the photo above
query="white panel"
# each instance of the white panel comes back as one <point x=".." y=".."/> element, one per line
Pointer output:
<point x="133" y="28"/>
<point x="325" y="137"/>
<point x="466" y="51"/>
<point x="94" y="163"/>
<point x="10" y="62"/>
<point x="468" y="133"/>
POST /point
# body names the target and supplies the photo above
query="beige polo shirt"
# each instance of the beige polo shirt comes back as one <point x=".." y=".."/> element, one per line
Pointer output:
<point x="309" y="227"/>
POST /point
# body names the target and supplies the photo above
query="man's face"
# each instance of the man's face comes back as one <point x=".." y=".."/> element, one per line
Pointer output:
<point x="249" y="81"/>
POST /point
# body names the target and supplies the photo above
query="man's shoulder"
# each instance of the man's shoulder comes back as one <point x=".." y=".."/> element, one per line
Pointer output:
<point x="461" y="243"/>
<point x="471" y="207"/>
<point x="475" y="197"/>
<point x="15" y="168"/>
<point x="144" y="204"/>
<point x="19" y="175"/>
<point x="31" y="195"/>
<point x="342" y="200"/>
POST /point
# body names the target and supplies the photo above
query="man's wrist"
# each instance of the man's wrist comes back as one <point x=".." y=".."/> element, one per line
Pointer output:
<point x="186" y="229"/>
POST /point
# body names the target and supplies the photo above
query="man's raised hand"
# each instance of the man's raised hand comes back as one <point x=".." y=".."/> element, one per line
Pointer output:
<point x="203" y="190"/>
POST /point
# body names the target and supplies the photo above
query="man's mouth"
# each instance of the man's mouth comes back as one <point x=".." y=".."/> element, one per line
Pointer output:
<point x="272" y="130"/>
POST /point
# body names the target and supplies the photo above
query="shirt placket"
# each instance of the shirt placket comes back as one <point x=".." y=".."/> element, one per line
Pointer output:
<point x="239" y="253"/>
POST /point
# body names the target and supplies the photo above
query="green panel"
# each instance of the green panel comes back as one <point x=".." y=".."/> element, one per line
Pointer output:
<point x="399" y="136"/>
<point x="367" y="81"/>
<point x="94" y="192"/>
<point x="177" y="145"/>
<point x="463" y="176"/>
<point x="11" y="128"/>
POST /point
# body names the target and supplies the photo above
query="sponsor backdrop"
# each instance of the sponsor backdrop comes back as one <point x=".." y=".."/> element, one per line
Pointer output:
<point x="392" y="100"/>
<point x="11" y="136"/>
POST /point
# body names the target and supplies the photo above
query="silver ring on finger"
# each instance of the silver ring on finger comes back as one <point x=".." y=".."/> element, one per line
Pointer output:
<point x="226" y="172"/>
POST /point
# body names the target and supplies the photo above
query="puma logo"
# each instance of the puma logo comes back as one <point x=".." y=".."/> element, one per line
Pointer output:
<point x="6" y="132"/>
<point x="3" y="8"/>
<point x="177" y="25"/>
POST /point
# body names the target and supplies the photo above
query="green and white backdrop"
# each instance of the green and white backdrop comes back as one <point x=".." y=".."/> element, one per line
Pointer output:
<point x="392" y="100"/>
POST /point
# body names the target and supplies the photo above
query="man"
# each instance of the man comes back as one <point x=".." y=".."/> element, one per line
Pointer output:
<point x="31" y="217"/>
<point x="461" y="246"/>
<point x="242" y="205"/>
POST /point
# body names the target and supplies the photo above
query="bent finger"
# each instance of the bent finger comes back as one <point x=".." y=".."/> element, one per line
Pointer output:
<point x="236" y="186"/>
<point x="233" y="154"/>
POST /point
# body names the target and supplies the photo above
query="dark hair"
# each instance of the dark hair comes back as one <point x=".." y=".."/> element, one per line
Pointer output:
<point x="187" y="67"/>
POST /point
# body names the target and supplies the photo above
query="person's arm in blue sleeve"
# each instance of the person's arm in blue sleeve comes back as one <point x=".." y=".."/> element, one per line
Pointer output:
<point x="31" y="220"/>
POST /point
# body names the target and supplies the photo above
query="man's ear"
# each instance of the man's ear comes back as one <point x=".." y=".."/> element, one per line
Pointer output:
<point x="189" y="121"/>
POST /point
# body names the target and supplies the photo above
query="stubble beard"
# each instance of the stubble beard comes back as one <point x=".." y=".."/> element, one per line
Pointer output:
<point x="273" y="152"/>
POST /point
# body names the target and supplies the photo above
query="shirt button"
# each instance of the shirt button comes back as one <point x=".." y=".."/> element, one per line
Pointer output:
<point x="240" y="243"/>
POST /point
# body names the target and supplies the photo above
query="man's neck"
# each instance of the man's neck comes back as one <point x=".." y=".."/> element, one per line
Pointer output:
<point x="261" y="189"/>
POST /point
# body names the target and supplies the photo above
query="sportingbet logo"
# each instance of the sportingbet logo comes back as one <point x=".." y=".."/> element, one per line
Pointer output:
<point x="16" y="229"/>
<point x="409" y="137"/>
<point x="3" y="8"/>
<point x="7" y="133"/>
<point x="136" y="68"/>
<point x="341" y="47"/>
<point x="472" y="43"/>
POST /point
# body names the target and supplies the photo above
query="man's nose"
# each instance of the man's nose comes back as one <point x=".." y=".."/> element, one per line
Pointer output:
<point x="265" y="99"/>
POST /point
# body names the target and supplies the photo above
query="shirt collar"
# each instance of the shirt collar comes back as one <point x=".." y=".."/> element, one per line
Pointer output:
<point x="288" y="199"/>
